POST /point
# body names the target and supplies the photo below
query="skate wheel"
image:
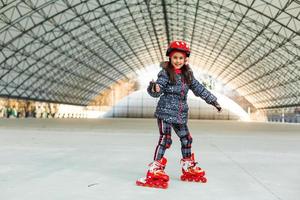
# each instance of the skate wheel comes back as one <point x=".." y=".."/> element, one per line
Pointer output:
<point x="183" y="178"/>
<point x="190" y="179"/>
<point x="151" y="184"/>
<point x="203" y="180"/>
<point x="157" y="184"/>
<point x="197" y="179"/>
<point x="165" y="185"/>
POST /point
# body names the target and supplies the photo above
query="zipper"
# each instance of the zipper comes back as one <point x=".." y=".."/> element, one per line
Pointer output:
<point x="180" y="101"/>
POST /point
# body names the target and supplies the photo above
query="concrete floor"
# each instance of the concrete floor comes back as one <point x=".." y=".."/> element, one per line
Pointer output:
<point x="101" y="159"/>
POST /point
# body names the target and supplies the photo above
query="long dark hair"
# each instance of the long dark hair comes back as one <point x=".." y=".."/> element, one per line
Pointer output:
<point x="185" y="70"/>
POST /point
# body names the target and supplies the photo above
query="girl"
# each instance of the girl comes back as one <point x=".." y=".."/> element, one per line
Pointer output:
<point x="172" y="85"/>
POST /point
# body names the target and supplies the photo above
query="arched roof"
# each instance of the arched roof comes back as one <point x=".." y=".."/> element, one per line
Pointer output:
<point x="69" y="51"/>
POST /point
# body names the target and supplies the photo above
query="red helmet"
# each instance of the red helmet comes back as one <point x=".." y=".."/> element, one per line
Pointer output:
<point x="179" y="46"/>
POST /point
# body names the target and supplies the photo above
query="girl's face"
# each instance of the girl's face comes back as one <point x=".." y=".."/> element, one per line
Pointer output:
<point x="178" y="60"/>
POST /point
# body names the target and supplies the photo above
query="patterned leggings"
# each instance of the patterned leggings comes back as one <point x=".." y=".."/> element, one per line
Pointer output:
<point x="165" y="140"/>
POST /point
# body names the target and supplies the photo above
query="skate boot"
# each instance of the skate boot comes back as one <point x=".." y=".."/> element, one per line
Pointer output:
<point x="191" y="172"/>
<point x="156" y="177"/>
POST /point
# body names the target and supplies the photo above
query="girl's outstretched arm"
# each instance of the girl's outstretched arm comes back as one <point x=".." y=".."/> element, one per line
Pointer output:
<point x="200" y="91"/>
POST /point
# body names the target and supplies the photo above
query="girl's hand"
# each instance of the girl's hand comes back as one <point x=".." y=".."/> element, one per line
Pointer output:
<point x="217" y="106"/>
<point x="154" y="87"/>
<point x="157" y="88"/>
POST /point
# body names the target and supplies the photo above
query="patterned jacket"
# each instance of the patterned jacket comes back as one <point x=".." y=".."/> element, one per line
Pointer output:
<point x="172" y="106"/>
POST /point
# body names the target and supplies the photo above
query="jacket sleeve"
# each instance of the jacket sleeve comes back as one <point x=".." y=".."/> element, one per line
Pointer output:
<point x="162" y="80"/>
<point x="200" y="91"/>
